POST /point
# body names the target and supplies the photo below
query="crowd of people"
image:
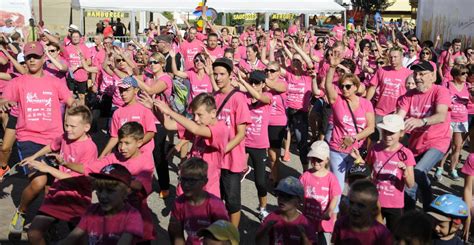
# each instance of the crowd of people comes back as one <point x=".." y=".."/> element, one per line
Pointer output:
<point x="370" y="114"/>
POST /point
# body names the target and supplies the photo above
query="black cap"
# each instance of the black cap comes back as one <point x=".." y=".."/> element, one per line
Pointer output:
<point x="422" y="66"/>
<point x="257" y="77"/>
<point x="359" y="170"/>
<point x="227" y="63"/>
<point x="114" y="171"/>
<point x="164" y="38"/>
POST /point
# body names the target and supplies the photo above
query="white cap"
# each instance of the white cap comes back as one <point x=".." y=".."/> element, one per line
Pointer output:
<point x="74" y="27"/>
<point x="392" y="123"/>
<point x="319" y="149"/>
<point x="20" y="57"/>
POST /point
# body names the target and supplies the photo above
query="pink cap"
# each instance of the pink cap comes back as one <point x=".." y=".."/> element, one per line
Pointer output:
<point x="33" y="48"/>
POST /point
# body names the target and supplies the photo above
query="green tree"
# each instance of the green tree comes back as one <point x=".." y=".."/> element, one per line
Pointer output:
<point x="371" y="6"/>
<point x="167" y="15"/>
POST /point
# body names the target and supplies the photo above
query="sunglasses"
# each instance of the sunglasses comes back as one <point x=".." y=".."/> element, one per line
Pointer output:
<point x="320" y="41"/>
<point x="153" y="62"/>
<point x="412" y="50"/>
<point x="33" y="56"/>
<point x="119" y="60"/>
<point x="270" y="70"/>
<point x="426" y="53"/>
<point x="414" y="40"/>
<point x="464" y="73"/>
<point x="345" y="86"/>
<point x="52" y="50"/>
<point x="380" y="62"/>
<point x="199" y="60"/>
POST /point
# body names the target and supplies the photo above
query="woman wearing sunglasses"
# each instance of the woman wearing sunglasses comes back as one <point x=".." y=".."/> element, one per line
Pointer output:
<point x="353" y="118"/>
<point x="55" y="64"/>
<point x="460" y="99"/>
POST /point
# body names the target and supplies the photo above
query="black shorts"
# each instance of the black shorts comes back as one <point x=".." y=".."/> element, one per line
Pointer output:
<point x="276" y="134"/>
<point x="76" y="86"/>
<point x="11" y="124"/>
<point x="230" y="190"/>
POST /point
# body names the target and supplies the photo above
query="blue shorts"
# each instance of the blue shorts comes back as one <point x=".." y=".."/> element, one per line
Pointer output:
<point x="27" y="149"/>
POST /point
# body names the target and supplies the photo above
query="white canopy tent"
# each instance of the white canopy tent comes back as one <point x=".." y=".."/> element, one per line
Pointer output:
<point x="225" y="6"/>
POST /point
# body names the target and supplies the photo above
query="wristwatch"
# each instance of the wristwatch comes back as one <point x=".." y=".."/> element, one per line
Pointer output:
<point x="425" y="121"/>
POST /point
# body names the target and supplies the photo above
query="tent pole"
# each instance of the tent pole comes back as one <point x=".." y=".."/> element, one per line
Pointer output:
<point x="82" y="20"/>
<point x="345" y="18"/>
<point x="132" y="25"/>
<point x="267" y="21"/>
<point x="224" y="19"/>
<point x="306" y="20"/>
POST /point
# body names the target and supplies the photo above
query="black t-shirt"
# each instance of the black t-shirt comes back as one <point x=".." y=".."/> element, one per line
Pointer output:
<point x="168" y="62"/>
<point x="454" y="241"/>
<point x="119" y="29"/>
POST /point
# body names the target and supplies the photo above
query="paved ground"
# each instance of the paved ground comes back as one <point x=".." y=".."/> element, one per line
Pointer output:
<point x="10" y="191"/>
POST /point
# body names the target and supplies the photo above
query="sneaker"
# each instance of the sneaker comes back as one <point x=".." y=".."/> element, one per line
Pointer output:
<point x="262" y="214"/>
<point x="245" y="173"/>
<point x="4" y="170"/>
<point x="439" y="174"/>
<point x="164" y="194"/>
<point x="17" y="223"/>
<point x="286" y="157"/>
<point x="454" y="175"/>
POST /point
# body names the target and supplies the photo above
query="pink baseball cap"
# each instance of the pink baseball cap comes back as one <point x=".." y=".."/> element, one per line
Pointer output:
<point x="33" y="48"/>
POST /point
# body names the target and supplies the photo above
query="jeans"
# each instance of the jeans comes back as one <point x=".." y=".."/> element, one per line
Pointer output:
<point x="340" y="163"/>
<point x="298" y="122"/>
<point x="425" y="162"/>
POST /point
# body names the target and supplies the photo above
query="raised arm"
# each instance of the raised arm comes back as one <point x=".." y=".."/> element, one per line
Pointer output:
<point x="258" y="96"/>
<point x="334" y="60"/>
<point x="174" y="68"/>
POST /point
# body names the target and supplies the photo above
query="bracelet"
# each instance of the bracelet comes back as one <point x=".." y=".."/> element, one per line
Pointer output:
<point x="333" y="66"/>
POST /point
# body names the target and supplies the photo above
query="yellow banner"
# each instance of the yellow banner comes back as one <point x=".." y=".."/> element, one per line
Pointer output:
<point x="105" y="14"/>
<point x="283" y="16"/>
<point x="244" y="16"/>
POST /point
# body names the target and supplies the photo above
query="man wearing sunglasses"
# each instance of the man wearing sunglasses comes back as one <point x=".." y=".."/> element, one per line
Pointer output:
<point x="190" y="47"/>
<point x="39" y="98"/>
<point x="164" y="43"/>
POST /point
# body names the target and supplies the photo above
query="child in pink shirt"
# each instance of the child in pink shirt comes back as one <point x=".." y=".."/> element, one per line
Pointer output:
<point x="321" y="192"/>
<point x="141" y="166"/>
<point x="113" y="220"/>
<point x="287" y="225"/>
<point x="360" y="226"/>
<point x="392" y="168"/>
<point x="196" y="208"/>
<point x="131" y="112"/>
<point x="209" y="136"/>
<point x="70" y="194"/>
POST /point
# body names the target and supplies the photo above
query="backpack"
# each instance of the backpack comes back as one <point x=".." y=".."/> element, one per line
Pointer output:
<point x="180" y="93"/>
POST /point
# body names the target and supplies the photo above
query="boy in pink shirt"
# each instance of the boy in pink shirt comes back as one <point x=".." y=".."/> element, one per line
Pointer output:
<point x="208" y="135"/>
<point x="39" y="98"/>
<point x="70" y="195"/>
<point x="190" y="47"/>
<point x="321" y="192"/>
<point x="131" y="112"/>
<point x="427" y="119"/>
<point x="141" y="166"/>
<point x="236" y="116"/>
<point x="287" y="225"/>
<point x="113" y="220"/>
<point x="196" y="208"/>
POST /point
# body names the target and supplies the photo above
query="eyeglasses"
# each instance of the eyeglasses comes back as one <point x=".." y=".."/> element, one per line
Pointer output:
<point x="346" y="86"/>
<point x="270" y="70"/>
<point x="153" y="62"/>
<point x="33" y="56"/>
<point x="119" y="60"/>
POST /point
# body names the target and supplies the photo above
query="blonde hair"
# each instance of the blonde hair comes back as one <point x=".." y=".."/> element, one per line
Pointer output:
<point x="349" y="76"/>
<point x="159" y="57"/>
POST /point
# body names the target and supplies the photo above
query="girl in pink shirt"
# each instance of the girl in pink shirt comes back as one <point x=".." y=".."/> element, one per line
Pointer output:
<point x="252" y="62"/>
<point x="321" y="191"/>
<point x="459" y="118"/>
<point x="256" y="139"/>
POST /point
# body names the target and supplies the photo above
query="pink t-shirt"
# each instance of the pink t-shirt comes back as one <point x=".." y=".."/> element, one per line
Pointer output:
<point x="188" y="50"/>
<point x="299" y="91"/>
<point x="421" y="105"/>
<point x="468" y="168"/>
<point x="72" y="57"/>
<point x="257" y="130"/>
<point x="51" y="69"/>
<point x="242" y="51"/>
<point x="459" y="102"/>
<point x="444" y="62"/>
<point x="39" y="106"/>
<point x="134" y="113"/>
<point x="283" y="232"/>
<point x="245" y="65"/>
<point x="106" y="230"/>
<point x="318" y="194"/>
<point x="98" y="56"/>
<point x="278" y="108"/>
<point x="390" y="84"/>
<point x="215" y="53"/>
<point x="344" y="125"/>
<point x="211" y="150"/>
<point x="166" y="94"/>
<point x="338" y="31"/>
<point x="293" y="29"/>
<point x="198" y="85"/>
<point x="234" y="113"/>
<point x="378" y="234"/>
<point x="386" y="174"/>
<point x="4" y="68"/>
<point x="194" y="218"/>
<point x="68" y="199"/>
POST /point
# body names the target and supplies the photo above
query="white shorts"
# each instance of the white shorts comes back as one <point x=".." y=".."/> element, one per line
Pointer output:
<point x="459" y="127"/>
